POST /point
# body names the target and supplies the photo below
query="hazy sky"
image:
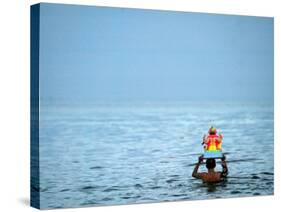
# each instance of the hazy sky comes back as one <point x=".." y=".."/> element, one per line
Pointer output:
<point x="105" y="54"/>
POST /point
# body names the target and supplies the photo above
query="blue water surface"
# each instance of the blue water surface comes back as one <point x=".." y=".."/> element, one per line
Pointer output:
<point x="117" y="153"/>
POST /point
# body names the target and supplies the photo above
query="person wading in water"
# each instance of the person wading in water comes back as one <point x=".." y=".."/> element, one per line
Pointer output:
<point x="211" y="176"/>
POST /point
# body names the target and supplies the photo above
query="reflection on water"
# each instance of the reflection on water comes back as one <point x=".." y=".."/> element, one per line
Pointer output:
<point x="125" y="153"/>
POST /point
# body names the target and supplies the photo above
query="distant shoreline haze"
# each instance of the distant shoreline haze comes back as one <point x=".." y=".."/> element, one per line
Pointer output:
<point x="154" y="103"/>
<point x="93" y="54"/>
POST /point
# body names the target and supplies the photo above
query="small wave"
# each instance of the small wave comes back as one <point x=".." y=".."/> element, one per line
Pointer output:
<point x="178" y="195"/>
<point x="184" y="198"/>
<point x="269" y="183"/>
<point x="171" y="180"/>
<point x="147" y="199"/>
<point x="138" y="186"/>
<point x="155" y="187"/>
<point x="96" y="167"/>
<point x="267" y="173"/>
<point x="126" y="197"/>
<point x="235" y="192"/>
<point x="255" y="177"/>
<point x="64" y="190"/>
<point x="89" y="187"/>
<point x="110" y="189"/>
<point x="179" y="185"/>
<point x="107" y="199"/>
<point x="174" y="175"/>
<point x="89" y="203"/>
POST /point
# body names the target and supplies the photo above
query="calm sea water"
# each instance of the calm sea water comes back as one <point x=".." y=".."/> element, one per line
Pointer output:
<point x="105" y="154"/>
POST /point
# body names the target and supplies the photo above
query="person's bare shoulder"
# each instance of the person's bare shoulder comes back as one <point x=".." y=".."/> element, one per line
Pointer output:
<point x="211" y="178"/>
<point x="200" y="175"/>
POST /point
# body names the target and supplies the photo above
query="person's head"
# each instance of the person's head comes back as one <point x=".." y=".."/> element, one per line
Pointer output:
<point x="210" y="163"/>
<point x="212" y="131"/>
